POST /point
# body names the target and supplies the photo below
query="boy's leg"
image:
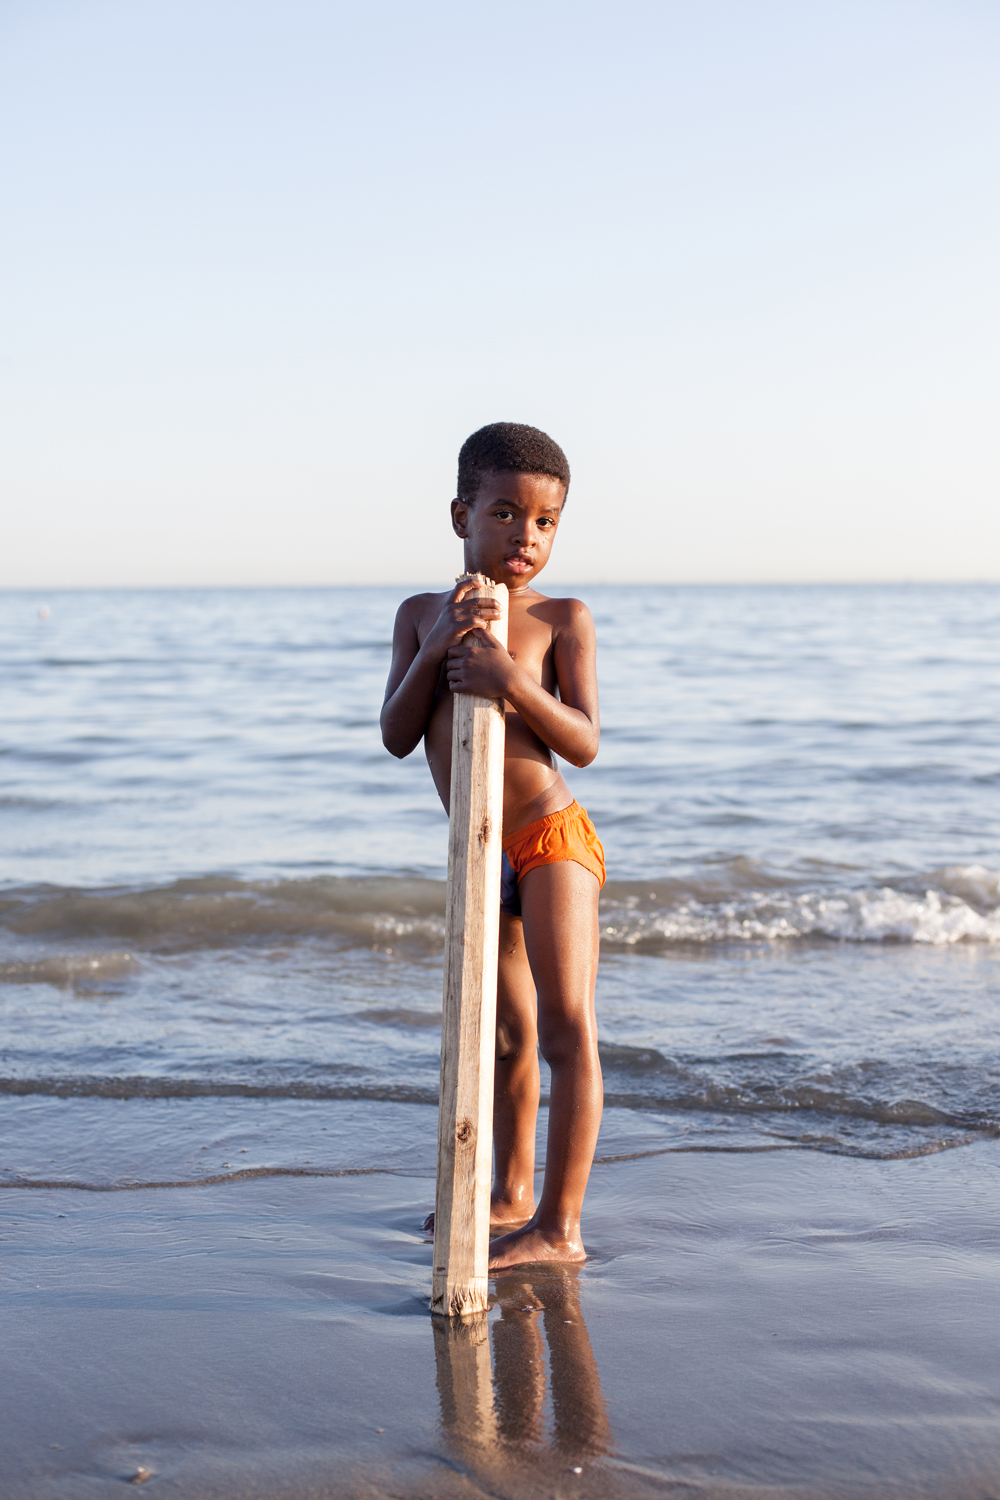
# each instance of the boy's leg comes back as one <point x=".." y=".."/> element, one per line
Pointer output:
<point x="559" y="913"/>
<point x="515" y="1086"/>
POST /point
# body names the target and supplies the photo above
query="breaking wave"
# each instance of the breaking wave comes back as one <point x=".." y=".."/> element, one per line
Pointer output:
<point x="961" y="905"/>
<point x="955" y="904"/>
<point x="216" y="912"/>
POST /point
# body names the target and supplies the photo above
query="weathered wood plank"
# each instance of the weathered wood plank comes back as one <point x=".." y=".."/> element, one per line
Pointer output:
<point x="468" y="1027"/>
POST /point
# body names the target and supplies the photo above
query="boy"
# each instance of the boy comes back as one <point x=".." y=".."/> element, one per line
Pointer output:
<point x="512" y="483"/>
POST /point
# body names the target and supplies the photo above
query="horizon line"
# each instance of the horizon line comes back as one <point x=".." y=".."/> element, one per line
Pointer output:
<point x="65" y="588"/>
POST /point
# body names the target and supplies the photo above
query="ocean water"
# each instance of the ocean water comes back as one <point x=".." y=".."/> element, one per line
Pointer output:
<point x="222" y="902"/>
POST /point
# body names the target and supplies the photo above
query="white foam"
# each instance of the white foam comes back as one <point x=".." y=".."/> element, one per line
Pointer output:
<point x="972" y="883"/>
<point x="881" y="915"/>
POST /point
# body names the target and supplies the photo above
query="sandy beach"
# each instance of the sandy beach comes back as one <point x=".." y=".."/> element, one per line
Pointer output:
<point x="756" y="1324"/>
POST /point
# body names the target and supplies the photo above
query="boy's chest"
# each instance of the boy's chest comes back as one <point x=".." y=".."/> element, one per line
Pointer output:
<point x="530" y="644"/>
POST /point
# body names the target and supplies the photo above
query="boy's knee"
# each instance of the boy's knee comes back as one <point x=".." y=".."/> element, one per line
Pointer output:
<point x="562" y="1039"/>
<point x="514" y="1040"/>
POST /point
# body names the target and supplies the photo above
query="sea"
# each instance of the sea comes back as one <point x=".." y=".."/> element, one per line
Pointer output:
<point x="222" y="902"/>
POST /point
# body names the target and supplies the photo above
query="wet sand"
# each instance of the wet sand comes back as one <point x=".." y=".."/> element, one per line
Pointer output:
<point x="748" y="1325"/>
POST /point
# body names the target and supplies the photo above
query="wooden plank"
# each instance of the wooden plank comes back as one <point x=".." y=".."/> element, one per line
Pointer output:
<point x="468" y="1025"/>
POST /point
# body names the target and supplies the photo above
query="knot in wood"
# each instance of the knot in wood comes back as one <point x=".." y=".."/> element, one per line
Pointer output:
<point x="484" y="832"/>
<point x="464" y="1132"/>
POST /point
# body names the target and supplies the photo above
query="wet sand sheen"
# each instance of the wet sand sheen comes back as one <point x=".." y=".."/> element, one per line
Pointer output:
<point x="746" y="1325"/>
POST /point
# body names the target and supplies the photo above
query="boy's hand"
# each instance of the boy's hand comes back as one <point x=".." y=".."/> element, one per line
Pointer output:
<point x="460" y="615"/>
<point x="483" y="667"/>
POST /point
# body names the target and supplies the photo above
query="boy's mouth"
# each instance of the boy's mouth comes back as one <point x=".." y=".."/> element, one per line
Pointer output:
<point x="518" y="563"/>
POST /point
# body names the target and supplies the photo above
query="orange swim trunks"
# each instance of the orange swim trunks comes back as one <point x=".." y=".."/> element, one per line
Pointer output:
<point x="565" y="835"/>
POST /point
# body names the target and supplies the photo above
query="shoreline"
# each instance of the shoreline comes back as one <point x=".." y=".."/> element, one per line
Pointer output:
<point x="748" y="1323"/>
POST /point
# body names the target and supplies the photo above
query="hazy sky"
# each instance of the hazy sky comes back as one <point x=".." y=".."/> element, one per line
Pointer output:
<point x="265" y="265"/>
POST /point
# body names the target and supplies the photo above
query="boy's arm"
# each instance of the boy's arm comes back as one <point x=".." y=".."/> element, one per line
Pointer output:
<point x="416" y="667"/>
<point x="569" y="724"/>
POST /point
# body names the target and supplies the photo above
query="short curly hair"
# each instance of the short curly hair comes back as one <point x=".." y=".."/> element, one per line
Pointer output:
<point x="508" y="448"/>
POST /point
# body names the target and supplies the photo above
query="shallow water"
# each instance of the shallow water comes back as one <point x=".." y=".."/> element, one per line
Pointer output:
<point x="221" y="901"/>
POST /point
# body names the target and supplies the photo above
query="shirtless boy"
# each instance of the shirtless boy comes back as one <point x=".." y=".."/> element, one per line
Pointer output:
<point x="512" y="483"/>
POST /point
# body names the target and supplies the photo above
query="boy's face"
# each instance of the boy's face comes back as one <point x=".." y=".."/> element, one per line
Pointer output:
<point x="509" y="530"/>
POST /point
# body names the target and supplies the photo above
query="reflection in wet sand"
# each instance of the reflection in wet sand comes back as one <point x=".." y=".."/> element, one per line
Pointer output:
<point x="498" y="1415"/>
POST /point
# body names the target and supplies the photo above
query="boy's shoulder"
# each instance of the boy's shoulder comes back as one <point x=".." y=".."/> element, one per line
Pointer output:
<point x="562" y="613"/>
<point x="418" y="605"/>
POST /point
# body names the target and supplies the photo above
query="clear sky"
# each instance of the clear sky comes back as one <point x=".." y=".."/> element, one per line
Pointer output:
<point x="265" y="265"/>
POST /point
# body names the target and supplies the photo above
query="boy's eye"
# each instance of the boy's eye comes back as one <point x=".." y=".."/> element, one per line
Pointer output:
<point x="503" y="515"/>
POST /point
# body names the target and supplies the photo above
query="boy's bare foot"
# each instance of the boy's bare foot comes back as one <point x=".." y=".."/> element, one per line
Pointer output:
<point x="531" y="1244"/>
<point x="501" y="1219"/>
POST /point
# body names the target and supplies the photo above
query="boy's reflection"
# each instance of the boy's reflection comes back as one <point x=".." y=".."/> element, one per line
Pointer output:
<point x="509" y="1410"/>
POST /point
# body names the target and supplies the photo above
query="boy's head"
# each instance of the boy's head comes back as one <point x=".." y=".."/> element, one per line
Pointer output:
<point x="512" y="483"/>
<point x="508" y="448"/>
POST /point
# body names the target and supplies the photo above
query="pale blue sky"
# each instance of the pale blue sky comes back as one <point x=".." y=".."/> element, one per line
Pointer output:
<point x="265" y="265"/>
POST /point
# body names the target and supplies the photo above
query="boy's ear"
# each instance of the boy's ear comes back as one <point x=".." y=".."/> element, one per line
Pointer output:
<point x="460" y="518"/>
